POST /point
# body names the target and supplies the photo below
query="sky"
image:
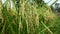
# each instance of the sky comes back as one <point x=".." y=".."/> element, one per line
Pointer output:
<point x="51" y="1"/>
<point x="3" y="1"/>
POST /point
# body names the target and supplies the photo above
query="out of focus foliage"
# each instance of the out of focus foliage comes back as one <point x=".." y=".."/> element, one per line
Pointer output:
<point x="57" y="7"/>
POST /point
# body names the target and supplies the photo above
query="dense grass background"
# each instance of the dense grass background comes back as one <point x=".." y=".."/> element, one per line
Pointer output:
<point x="27" y="17"/>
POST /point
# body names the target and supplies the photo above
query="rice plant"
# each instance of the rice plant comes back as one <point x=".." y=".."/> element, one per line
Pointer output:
<point x="26" y="17"/>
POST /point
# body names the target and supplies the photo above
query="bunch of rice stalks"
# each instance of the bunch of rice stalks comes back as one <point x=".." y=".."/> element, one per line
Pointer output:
<point x="26" y="17"/>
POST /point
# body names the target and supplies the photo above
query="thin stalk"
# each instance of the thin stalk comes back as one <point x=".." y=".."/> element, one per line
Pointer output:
<point x="46" y="27"/>
<point x="17" y="5"/>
